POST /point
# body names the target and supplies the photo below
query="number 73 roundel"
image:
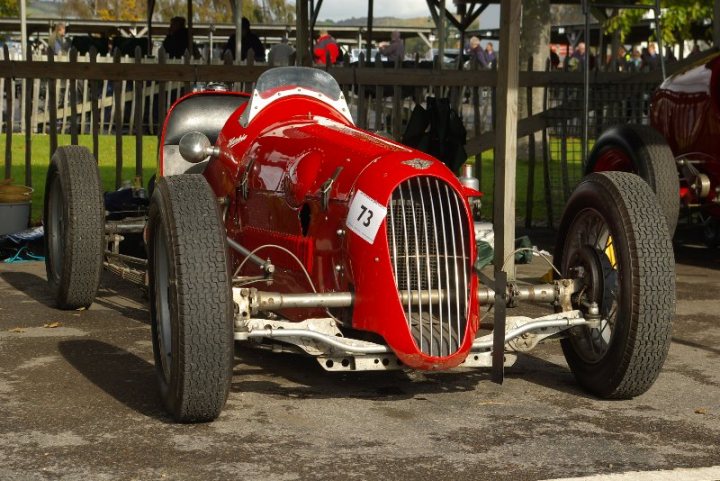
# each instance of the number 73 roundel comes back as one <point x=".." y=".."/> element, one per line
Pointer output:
<point x="365" y="216"/>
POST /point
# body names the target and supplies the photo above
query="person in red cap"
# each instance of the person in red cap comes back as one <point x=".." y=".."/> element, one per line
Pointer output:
<point x="326" y="44"/>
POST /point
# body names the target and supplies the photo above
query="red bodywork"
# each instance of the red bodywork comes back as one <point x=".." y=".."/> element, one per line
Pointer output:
<point x="687" y="114"/>
<point x="272" y="172"/>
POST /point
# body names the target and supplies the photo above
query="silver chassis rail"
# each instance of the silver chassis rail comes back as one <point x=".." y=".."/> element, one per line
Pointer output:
<point x="321" y="339"/>
<point x="129" y="268"/>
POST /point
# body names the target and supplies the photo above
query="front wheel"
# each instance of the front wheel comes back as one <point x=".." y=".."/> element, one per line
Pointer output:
<point x="613" y="239"/>
<point x="190" y="298"/>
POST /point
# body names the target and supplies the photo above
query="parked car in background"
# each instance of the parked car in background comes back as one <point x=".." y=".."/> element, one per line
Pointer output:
<point x="679" y="153"/>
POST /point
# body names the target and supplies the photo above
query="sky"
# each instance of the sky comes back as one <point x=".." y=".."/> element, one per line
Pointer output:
<point x="343" y="9"/>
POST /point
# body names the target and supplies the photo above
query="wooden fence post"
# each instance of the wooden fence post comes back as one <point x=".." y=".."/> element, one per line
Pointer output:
<point x="477" y="122"/>
<point x="530" y="193"/>
<point x="73" y="101"/>
<point x="29" y="128"/>
<point x="378" y="96"/>
<point x="94" y="106"/>
<point x="437" y="67"/>
<point x="9" y="115"/>
<point x="52" y="106"/>
<point x="362" y="101"/>
<point x="346" y="88"/>
<point x="162" y="99"/>
<point x="188" y="84"/>
<point x="118" y="107"/>
<point x="139" y="101"/>
<point x="397" y="106"/>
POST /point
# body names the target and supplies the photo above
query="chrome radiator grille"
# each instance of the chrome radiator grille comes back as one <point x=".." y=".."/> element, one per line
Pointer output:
<point x="429" y="243"/>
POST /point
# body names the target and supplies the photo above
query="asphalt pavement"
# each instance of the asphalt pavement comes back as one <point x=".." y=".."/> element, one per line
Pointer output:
<point x="79" y="401"/>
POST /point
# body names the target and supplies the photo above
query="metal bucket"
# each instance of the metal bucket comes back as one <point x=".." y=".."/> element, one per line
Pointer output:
<point x="14" y="208"/>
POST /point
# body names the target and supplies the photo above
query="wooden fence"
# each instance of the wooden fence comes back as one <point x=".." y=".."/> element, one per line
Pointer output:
<point x="130" y="96"/>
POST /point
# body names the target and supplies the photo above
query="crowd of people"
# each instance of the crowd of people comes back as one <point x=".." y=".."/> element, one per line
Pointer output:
<point x="326" y="48"/>
<point x="636" y="59"/>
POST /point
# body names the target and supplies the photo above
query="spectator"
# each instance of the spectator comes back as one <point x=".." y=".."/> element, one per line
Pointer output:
<point x="579" y="54"/>
<point x="651" y="60"/>
<point x="325" y="45"/>
<point x="554" y="58"/>
<point x="670" y="55"/>
<point x="249" y="41"/>
<point x="57" y="41"/>
<point x="577" y="59"/>
<point x="393" y="50"/>
<point x="621" y="62"/>
<point x="695" y="49"/>
<point x="635" y="62"/>
<point x="176" y="41"/>
<point x="474" y="49"/>
<point x="280" y="53"/>
<point x="488" y="57"/>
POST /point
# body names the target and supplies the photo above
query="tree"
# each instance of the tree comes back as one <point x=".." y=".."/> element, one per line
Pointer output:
<point x="220" y="11"/>
<point x="210" y="11"/>
<point x="535" y="43"/>
<point x="9" y="9"/>
<point x="677" y="17"/>
<point x="135" y="10"/>
<point x="204" y="11"/>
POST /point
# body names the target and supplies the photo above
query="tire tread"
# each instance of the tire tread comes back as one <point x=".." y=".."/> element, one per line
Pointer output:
<point x="204" y="298"/>
<point x="653" y="287"/>
<point x="85" y="227"/>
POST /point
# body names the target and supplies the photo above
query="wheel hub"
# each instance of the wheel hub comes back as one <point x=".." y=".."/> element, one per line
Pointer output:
<point x="594" y="268"/>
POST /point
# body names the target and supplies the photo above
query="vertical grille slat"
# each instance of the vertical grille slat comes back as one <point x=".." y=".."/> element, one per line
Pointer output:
<point x="418" y="285"/>
<point x="446" y="253"/>
<point x="462" y="234"/>
<point x="427" y="261"/>
<point x="454" y="246"/>
<point x="457" y="277"/>
<point x="393" y="238"/>
<point x="441" y="320"/>
<point x="426" y="225"/>
<point x="407" y="257"/>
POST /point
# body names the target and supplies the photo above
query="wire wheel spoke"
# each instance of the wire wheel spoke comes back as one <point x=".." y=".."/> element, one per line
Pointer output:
<point x="591" y="233"/>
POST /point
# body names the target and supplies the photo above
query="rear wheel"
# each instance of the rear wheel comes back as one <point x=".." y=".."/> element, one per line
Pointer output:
<point x="190" y="298"/>
<point x="74" y="220"/>
<point x="641" y="150"/>
<point x="612" y="238"/>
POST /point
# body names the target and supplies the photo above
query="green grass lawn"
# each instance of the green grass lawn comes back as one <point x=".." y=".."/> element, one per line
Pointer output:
<point x="106" y="161"/>
<point x="521" y="186"/>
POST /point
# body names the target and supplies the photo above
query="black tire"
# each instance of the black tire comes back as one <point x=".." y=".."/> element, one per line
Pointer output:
<point x="74" y="219"/>
<point x="613" y="229"/>
<point x="190" y="298"/>
<point x="433" y="337"/>
<point x="651" y="159"/>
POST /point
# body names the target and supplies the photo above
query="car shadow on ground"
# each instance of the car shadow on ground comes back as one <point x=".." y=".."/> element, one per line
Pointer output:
<point x="33" y="285"/>
<point x="298" y="376"/>
<point x="126" y="377"/>
<point x="696" y="345"/>
<point x="696" y="255"/>
<point x="113" y="294"/>
<point x="122" y="297"/>
<point x="541" y="372"/>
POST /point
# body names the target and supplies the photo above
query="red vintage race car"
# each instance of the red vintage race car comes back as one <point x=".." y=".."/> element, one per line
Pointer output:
<point x="275" y="222"/>
<point x="679" y="151"/>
